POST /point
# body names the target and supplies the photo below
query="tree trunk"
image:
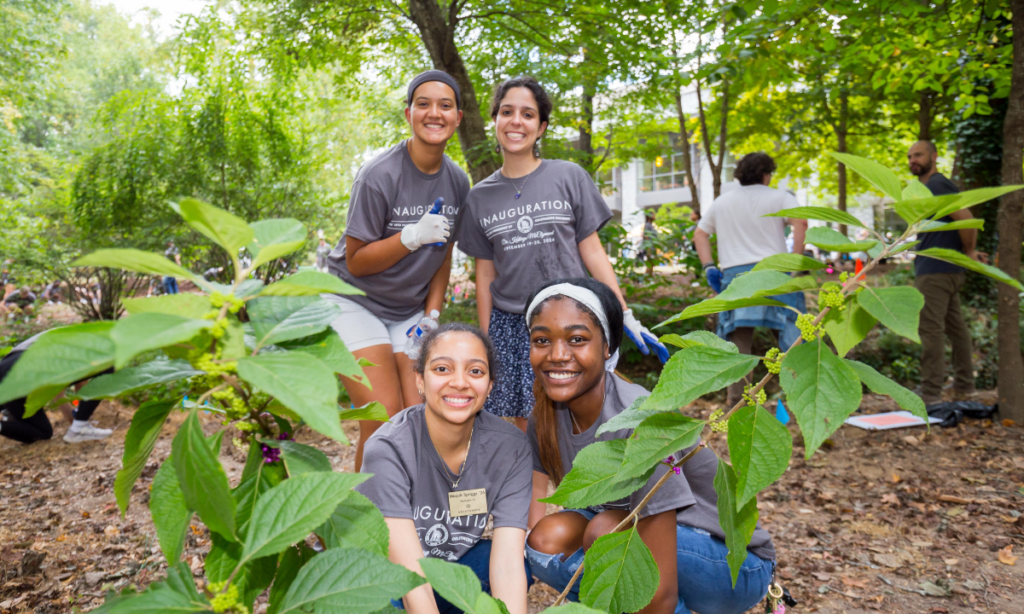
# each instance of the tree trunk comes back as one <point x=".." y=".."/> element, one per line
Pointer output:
<point x="1011" y="365"/>
<point x="687" y="162"/>
<point x="586" y="145"/>
<point x="716" y="170"/>
<point x="438" y="36"/>
<point x="844" y="100"/>
<point x="925" y="116"/>
<point x="722" y="135"/>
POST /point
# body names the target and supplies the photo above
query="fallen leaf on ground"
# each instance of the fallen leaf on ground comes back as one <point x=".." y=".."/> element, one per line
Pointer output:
<point x="854" y="583"/>
<point x="934" y="589"/>
<point x="955" y="499"/>
<point x="1006" y="556"/>
<point x="1008" y="422"/>
<point x="951" y="561"/>
<point x="111" y="531"/>
<point x="895" y="478"/>
<point x="891" y="499"/>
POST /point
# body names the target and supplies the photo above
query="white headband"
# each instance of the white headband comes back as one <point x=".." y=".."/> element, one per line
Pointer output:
<point x="587" y="297"/>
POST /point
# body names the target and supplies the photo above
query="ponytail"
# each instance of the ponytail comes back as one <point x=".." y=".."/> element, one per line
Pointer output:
<point x="546" y="423"/>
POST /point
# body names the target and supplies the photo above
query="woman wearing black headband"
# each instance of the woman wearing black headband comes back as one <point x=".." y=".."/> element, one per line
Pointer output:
<point x="405" y="204"/>
<point x="575" y="325"/>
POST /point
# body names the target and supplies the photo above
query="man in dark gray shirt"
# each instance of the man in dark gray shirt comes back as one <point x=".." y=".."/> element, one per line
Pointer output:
<point x="940" y="284"/>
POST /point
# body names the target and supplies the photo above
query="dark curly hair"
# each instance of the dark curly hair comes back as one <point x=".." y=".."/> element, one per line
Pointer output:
<point x="544" y="105"/>
<point x="753" y="167"/>
<point x="430" y="340"/>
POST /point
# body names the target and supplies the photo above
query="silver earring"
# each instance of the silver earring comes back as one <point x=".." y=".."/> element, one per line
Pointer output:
<point x="497" y="148"/>
<point x="536" y="148"/>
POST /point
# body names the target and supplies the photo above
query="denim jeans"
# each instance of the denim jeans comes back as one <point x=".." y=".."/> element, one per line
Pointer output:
<point x="170" y="285"/>
<point x="705" y="585"/>
<point x="479" y="560"/>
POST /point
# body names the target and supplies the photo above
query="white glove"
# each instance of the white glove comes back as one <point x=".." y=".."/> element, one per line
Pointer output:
<point x="432" y="228"/>
<point x="641" y="337"/>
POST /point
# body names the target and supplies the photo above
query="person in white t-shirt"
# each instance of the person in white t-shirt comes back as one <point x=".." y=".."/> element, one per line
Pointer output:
<point x="745" y="237"/>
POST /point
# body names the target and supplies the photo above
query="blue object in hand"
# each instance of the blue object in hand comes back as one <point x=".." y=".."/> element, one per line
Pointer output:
<point x="714" y="278"/>
<point x="659" y="347"/>
<point x="780" y="413"/>
<point x="435" y="210"/>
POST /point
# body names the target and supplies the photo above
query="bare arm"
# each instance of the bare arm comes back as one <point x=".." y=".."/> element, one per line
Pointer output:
<point x="702" y="241"/>
<point x="370" y="258"/>
<point x="439" y="283"/>
<point x="599" y="266"/>
<point x="659" y="534"/>
<point x="969" y="236"/>
<point x="485" y="275"/>
<point x="404" y="549"/>
<point x="799" y="233"/>
<point x="508" y="573"/>
<point x="540" y="490"/>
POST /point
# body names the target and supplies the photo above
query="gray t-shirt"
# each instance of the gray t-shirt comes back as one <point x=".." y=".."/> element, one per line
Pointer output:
<point x="390" y="193"/>
<point x="536" y="237"/>
<point x="691" y="494"/>
<point x="409" y="480"/>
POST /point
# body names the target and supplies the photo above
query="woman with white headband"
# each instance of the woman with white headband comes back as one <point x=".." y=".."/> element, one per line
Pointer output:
<point x="575" y="326"/>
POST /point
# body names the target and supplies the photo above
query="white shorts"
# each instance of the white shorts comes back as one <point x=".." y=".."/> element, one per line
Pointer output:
<point x="359" y="328"/>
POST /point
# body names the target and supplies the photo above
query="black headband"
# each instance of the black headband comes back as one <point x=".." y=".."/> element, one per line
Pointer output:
<point x="433" y="75"/>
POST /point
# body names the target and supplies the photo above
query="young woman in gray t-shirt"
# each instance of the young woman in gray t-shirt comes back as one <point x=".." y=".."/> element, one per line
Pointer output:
<point x="531" y="221"/>
<point x="575" y="325"/>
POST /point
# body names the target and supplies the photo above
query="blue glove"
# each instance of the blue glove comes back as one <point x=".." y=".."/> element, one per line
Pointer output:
<point x="641" y="337"/>
<point x="436" y="210"/>
<point x="714" y="278"/>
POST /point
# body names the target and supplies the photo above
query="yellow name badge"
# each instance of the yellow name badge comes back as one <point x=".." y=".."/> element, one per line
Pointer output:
<point x="467" y="502"/>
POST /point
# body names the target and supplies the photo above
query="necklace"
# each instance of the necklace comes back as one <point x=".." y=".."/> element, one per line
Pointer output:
<point x="519" y="190"/>
<point x="462" y="469"/>
<point x="579" y="431"/>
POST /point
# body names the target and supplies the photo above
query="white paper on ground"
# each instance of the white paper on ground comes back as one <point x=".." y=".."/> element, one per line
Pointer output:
<point x="888" y="420"/>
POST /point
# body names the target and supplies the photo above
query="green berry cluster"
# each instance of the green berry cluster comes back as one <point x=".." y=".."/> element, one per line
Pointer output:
<point x="845" y="277"/>
<point x="234" y="303"/>
<point x="808" y="330"/>
<point x="831" y="295"/>
<point x="759" y="399"/>
<point x="717" y="424"/>
<point x="773" y="360"/>
<point x="226" y="600"/>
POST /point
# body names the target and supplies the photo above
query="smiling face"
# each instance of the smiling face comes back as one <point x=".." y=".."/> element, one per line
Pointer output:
<point x="457" y="378"/>
<point x="517" y="123"/>
<point x="567" y="350"/>
<point x="433" y="115"/>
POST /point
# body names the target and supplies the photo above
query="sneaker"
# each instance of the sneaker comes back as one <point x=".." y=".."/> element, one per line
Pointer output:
<point x="86" y="433"/>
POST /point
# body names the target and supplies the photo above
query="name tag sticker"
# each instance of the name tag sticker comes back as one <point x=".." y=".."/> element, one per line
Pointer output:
<point x="467" y="502"/>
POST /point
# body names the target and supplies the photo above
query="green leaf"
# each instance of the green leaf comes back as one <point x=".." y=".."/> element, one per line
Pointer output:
<point x="233" y="341"/>
<point x="655" y="439"/>
<point x="698" y="337"/>
<point x="39" y="398"/>
<point x="573" y="608"/>
<point x="899" y="308"/>
<point x="171" y="515"/>
<point x="176" y="595"/>
<point x="737" y="522"/>
<point x="300" y="459"/>
<point x="301" y="383"/>
<point x="149" y="418"/>
<point x="458" y="585"/>
<point x="138" y="261"/>
<point x="328" y="347"/>
<point x="822" y="391"/>
<point x="977" y="223"/>
<point x="309" y="283"/>
<point x="880" y="384"/>
<point x="835" y="241"/>
<point x="915" y="190"/>
<point x="904" y="247"/>
<point x="913" y="211"/>
<point x="223" y="228"/>
<point x="202" y="478"/>
<point x="275" y="238"/>
<point x="759" y="283"/>
<point x="136" y="378"/>
<point x="347" y="580"/>
<point x="760" y="448"/>
<point x="283" y="318"/>
<point x="258" y="477"/>
<point x="594" y="478"/>
<point x="356" y="523"/>
<point x="825" y="214"/>
<point x="788" y="263"/>
<point x="961" y="259"/>
<point x="291" y="510"/>
<point x="149" y="331"/>
<point x="252" y="579"/>
<point x="848" y="327"/>
<point x="292" y="560"/>
<point x="370" y="411"/>
<point x="621" y="575"/>
<point x="877" y="175"/>
<point x="694" y="372"/>
<point x="715" y="305"/>
<point x="185" y="304"/>
<point x="629" y="419"/>
<point x="973" y="197"/>
<point x="59" y="357"/>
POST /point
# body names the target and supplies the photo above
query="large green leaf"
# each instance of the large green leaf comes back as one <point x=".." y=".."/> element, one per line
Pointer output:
<point x="716" y="305"/>
<point x="621" y="575"/>
<point x="137" y="378"/>
<point x="976" y="223"/>
<point x="698" y="337"/>
<point x="184" y="304"/>
<point x="754" y="283"/>
<point x="356" y="523"/>
<point x="915" y="190"/>
<point x="40" y="397"/>
<point x="877" y="175"/>
<point x="301" y="383"/>
<point x="594" y="478"/>
<point x="300" y="458"/>
<point x="176" y="595"/>
<point x="573" y="608"/>
<point x="916" y="209"/>
<point x="737" y="522"/>
<point x="459" y="586"/>
<point x="328" y="347"/>
<point x="974" y="197"/>
<point x="630" y="418"/>
<point x="825" y="214"/>
<point x="291" y="510"/>
<point x="171" y="515"/>
<point x="138" y="445"/>
<point x="258" y="477"/>
<point x="291" y="561"/>
<point x="138" y="261"/>
<point x="251" y="580"/>
<point x="347" y="580"/>
<point x="835" y="241"/>
<point x="223" y="228"/>
<point x="149" y="331"/>
<point x="656" y="438"/>
<point x="275" y="238"/>
<point x="60" y="356"/>
<point x="283" y="318"/>
<point x="848" y="327"/>
<point x="760" y="448"/>
<point x="961" y="259"/>
<point x="899" y="308"/>
<point x="309" y="283"/>
<point x="881" y="384"/>
<point x="371" y="411"/>
<point x="202" y="478"/>
<point x="822" y="391"/>
<point x="694" y="372"/>
<point x="789" y="263"/>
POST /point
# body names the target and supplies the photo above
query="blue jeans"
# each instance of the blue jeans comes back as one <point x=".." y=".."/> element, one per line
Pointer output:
<point x="479" y="560"/>
<point x="705" y="585"/>
<point x="170" y="285"/>
<point x="776" y="318"/>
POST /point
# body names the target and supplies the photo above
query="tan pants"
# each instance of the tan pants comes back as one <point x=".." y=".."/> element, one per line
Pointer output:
<point x="941" y="316"/>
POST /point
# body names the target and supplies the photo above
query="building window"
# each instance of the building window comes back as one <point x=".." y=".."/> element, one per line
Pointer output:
<point x="666" y="172"/>
<point x="609" y="181"/>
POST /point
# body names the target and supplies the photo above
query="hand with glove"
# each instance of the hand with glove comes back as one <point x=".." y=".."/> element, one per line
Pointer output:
<point x="641" y="337"/>
<point x="431" y="229"/>
<point x="714" y="277"/>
